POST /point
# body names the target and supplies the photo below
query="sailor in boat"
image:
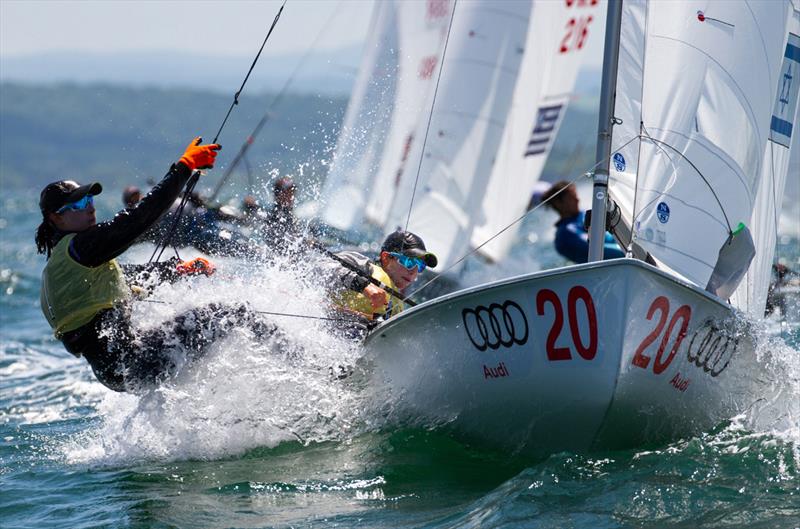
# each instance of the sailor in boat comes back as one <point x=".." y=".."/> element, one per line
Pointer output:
<point x="200" y="225"/>
<point x="572" y="238"/>
<point x="783" y="289"/>
<point x="86" y="296"/>
<point x="403" y="256"/>
<point x="281" y="229"/>
<point x="131" y="196"/>
<point x="252" y="212"/>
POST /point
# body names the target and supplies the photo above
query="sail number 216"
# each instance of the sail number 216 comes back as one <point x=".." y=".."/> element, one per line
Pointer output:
<point x="577" y="28"/>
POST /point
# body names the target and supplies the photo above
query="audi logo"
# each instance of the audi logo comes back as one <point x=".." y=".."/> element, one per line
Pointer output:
<point x="496" y="325"/>
<point x="711" y="348"/>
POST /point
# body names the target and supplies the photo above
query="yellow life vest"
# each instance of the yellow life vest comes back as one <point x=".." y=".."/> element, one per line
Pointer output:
<point x="358" y="302"/>
<point x="73" y="294"/>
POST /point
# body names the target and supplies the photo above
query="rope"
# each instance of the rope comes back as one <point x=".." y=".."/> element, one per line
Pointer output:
<point x="271" y="313"/>
<point x="246" y="77"/>
<point x="487" y="241"/>
<point x="587" y="174"/>
<point x="168" y="235"/>
<point x="240" y="156"/>
<point x="708" y="184"/>
<point x="190" y="185"/>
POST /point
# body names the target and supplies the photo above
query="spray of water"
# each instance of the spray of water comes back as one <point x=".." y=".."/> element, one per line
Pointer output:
<point x="248" y="391"/>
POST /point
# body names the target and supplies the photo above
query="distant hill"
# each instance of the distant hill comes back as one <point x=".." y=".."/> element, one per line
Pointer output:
<point x="129" y="135"/>
<point x="119" y="135"/>
<point x="331" y="72"/>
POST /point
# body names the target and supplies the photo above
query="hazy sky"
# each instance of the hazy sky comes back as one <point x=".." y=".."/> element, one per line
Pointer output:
<point x="199" y="26"/>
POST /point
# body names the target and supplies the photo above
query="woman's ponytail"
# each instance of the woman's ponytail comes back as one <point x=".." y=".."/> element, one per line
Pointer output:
<point x="44" y="237"/>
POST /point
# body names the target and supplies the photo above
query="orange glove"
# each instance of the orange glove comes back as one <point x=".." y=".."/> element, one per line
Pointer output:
<point x="195" y="267"/>
<point x="200" y="156"/>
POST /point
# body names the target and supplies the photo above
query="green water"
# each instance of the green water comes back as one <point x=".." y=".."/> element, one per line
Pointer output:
<point x="271" y="444"/>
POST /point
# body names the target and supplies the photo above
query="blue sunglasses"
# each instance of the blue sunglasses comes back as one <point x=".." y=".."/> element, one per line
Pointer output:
<point x="83" y="203"/>
<point x="409" y="263"/>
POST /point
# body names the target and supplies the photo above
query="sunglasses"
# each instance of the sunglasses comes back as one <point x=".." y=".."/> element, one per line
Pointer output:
<point x="409" y="263"/>
<point x="83" y="203"/>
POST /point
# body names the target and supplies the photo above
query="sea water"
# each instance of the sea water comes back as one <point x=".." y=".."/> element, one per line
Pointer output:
<point x="260" y="434"/>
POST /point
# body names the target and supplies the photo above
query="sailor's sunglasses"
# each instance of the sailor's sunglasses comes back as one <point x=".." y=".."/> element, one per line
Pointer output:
<point x="409" y="263"/>
<point x="78" y="205"/>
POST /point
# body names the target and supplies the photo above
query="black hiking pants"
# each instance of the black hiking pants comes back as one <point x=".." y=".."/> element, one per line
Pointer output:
<point x="132" y="360"/>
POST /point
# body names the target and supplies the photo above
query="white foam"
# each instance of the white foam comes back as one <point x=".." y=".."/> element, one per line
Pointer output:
<point x="247" y="392"/>
<point x="780" y="416"/>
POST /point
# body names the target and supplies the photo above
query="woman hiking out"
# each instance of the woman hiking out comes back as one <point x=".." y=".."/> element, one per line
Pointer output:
<point x="86" y="297"/>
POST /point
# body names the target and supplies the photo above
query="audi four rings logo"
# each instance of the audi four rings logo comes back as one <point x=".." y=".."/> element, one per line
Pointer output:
<point x="496" y="325"/>
<point x="711" y="348"/>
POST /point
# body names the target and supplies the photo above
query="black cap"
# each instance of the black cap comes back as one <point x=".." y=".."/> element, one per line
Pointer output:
<point x="59" y="194"/>
<point x="407" y="243"/>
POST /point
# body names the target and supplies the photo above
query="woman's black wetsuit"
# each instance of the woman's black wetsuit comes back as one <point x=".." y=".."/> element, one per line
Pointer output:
<point x="124" y="358"/>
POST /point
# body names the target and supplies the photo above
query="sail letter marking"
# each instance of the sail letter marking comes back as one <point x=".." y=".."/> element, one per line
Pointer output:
<point x="783" y="112"/>
<point x="546" y="120"/>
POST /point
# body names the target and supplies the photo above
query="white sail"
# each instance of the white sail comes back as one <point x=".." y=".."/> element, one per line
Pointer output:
<point x="752" y="292"/>
<point x="360" y="142"/>
<point x="422" y="33"/>
<point x="694" y="94"/>
<point x="479" y="72"/>
<point x="554" y="49"/>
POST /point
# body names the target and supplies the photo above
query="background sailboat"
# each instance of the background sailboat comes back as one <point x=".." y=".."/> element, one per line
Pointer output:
<point x="505" y="85"/>
<point x="400" y="60"/>
<point x="468" y="149"/>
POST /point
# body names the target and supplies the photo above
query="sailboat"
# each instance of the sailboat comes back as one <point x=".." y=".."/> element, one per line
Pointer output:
<point x="400" y="62"/>
<point x="698" y="107"/>
<point x="507" y="79"/>
<point x="501" y="89"/>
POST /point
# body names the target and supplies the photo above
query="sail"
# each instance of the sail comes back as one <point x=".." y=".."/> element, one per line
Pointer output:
<point x="422" y="33"/>
<point x="554" y="49"/>
<point x="694" y="99"/>
<point x="360" y="143"/>
<point x="752" y="292"/>
<point x="479" y="72"/>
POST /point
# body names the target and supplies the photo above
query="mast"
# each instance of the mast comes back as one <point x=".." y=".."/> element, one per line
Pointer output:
<point x="603" y="155"/>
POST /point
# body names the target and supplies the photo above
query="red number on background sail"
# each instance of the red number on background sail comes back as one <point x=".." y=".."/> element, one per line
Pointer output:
<point x="568" y="37"/>
<point x="582" y="31"/>
<point x="577" y="32"/>
<point x="437" y="9"/>
<point x="660" y="303"/>
<point x="426" y="67"/>
<point x="553" y="353"/>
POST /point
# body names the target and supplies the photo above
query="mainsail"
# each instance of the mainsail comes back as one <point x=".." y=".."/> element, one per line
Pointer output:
<point x="366" y="120"/>
<point x="399" y="64"/>
<point x="694" y="138"/>
<point x="423" y="30"/>
<point x="554" y="49"/>
<point x="479" y="73"/>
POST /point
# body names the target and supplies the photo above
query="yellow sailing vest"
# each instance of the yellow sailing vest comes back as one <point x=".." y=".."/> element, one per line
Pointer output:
<point x="356" y="301"/>
<point x="73" y="294"/>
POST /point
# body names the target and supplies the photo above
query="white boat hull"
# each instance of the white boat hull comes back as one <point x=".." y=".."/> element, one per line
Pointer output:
<point x="595" y="356"/>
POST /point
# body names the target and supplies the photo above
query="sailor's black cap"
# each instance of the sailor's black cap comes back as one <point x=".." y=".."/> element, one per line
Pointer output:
<point x="410" y="244"/>
<point x="58" y="194"/>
